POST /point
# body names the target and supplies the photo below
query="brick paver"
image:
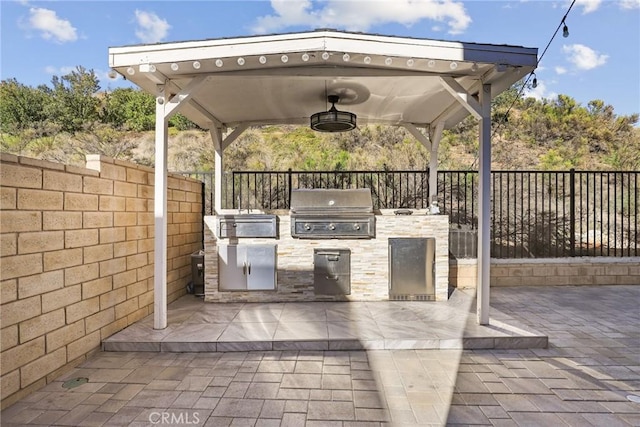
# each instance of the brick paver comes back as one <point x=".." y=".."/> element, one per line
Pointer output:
<point x="583" y="378"/>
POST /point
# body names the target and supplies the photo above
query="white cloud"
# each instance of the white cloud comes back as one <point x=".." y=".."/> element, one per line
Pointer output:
<point x="540" y="92"/>
<point x="151" y="28"/>
<point x="588" y="6"/>
<point x="51" y="27"/>
<point x="361" y="15"/>
<point x="630" y="4"/>
<point x="58" y="71"/>
<point x="583" y="57"/>
<point x="560" y="70"/>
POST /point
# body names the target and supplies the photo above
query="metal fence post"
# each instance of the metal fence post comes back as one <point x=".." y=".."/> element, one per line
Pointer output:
<point x="289" y="185"/>
<point x="572" y="212"/>
<point x="233" y="190"/>
<point x="203" y="189"/>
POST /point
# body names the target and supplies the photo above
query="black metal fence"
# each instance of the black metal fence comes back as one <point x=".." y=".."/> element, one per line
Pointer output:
<point x="534" y="213"/>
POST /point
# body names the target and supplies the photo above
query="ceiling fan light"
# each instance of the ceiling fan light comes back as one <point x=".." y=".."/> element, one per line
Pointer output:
<point x="333" y="120"/>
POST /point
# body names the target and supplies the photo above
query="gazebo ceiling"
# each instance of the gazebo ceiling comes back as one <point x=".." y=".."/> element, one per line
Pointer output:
<point x="284" y="79"/>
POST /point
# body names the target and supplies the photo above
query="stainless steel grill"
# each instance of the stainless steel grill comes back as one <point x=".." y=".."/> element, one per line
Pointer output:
<point x="332" y="214"/>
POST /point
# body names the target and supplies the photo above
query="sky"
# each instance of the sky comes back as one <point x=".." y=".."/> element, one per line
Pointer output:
<point x="600" y="59"/>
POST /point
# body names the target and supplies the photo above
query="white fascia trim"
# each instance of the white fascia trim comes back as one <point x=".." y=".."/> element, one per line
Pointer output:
<point x="322" y="41"/>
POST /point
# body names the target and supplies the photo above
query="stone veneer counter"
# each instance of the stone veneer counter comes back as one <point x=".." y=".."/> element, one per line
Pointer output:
<point x="369" y="259"/>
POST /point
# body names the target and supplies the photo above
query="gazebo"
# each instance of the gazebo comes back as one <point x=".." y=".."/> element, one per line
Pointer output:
<point x="227" y="85"/>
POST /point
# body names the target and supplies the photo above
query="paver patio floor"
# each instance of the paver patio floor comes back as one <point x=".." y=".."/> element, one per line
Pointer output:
<point x="587" y="376"/>
<point x="197" y="326"/>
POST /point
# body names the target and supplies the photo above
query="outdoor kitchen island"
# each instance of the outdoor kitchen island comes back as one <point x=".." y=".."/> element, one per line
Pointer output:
<point x="284" y="265"/>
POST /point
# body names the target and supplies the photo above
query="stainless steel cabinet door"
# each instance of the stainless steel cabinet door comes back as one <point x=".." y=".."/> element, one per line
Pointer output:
<point x="246" y="267"/>
<point x="412" y="266"/>
<point x="231" y="268"/>
<point x="261" y="267"/>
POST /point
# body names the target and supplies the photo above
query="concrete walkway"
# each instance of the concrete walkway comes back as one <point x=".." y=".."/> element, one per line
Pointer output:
<point x="589" y="375"/>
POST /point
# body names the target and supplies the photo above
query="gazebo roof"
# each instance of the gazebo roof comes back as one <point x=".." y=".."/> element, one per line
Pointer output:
<point x="285" y="78"/>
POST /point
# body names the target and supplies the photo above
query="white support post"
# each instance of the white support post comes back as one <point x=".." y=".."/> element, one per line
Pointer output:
<point x="216" y="136"/>
<point x="160" y="214"/>
<point x="220" y="145"/>
<point x="484" y="216"/>
<point x="435" y="134"/>
<point x="165" y="108"/>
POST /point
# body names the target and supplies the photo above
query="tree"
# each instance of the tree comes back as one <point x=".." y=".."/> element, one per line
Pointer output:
<point x="24" y="125"/>
<point x="129" y="109"/>
<point x="74" y="103"/>
<point x="21" y="107"/>
<point x="180" y="122"/>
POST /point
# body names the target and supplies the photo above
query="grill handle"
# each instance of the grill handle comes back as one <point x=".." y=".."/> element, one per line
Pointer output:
<point x="331" y="256"/>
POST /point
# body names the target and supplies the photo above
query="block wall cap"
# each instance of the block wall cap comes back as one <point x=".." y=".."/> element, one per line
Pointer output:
<point x="44" y="164"/>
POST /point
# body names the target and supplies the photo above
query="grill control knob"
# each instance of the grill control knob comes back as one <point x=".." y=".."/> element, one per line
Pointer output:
<point x="332" y="226"/>
<point x="307" y="227"/>
<point x="356" y="226"/>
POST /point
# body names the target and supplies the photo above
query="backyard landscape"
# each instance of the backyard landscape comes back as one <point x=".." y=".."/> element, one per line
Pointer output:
<point x="128" y="296"/>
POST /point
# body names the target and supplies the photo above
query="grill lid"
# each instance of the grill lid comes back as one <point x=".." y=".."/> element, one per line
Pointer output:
<point x="331" y="200"/>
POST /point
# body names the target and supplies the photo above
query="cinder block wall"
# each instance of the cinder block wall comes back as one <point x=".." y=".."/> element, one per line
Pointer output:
<point x="549" y="272"/>
<point x="76" y="264"/>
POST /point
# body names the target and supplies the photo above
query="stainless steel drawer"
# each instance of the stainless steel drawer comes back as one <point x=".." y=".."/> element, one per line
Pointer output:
<point x="332" y="271"/>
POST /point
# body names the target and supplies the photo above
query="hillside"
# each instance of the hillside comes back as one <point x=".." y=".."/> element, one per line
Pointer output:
<point x="74" y="118"/>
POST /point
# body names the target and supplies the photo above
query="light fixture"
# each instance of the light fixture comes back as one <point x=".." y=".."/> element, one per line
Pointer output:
<point x="284" y="59"/>
<point x="219" y="63"/>
<point x="241" y="61"/>
<point x="410" y="62"/>
<point x="262" y="59"/>
<point x="474" y="67"/>
<point x="305" y="57"/>
<point x="388" y="61"/>
<point x="333" y="120"/>
<point x="112" y="74"/>
<point x="534" y="82"/>
<point x="196" y="65"/>
<point x="175" y="66"/>
<point x="367" y="60"/>
<point x="325" y="55"/>
<point x="131" y="71"/>
<point x="431" y="63"/>
<point x="565" y="29"/>
<point x="453" y="65"/>
<point x="346" y="57"/>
